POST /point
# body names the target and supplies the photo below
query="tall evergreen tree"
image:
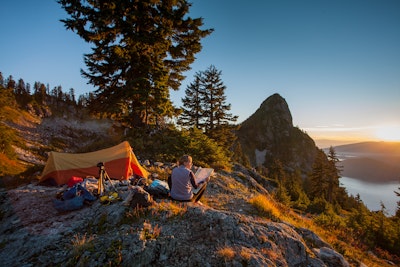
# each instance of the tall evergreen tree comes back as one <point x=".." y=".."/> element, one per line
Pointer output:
<point x="219" y="121"/>
<point x="333" y="175"/>
<point x="214" y="100"/>
<point x="318" y="180"/>
<point x="40" y="92"/>
<point x="205" y="107"/>
<point x="20" y="89"/>
<point x="22" y="94"/>
<point x="324" y="179"/>
<point x="72" y="95"/>
<point x="11" y="84"/>
<point x="140" y="50"/>
<point x="192" y="110"/>
<point x="239" y="156"/>
<point x="278" y="174"/>
<point x="28" y="88"/>
<point x="36" y="87"/>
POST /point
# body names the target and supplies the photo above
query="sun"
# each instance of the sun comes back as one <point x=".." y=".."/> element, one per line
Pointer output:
<point x="388" y="133"/>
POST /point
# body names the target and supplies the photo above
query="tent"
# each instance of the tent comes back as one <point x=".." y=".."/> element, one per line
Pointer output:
<point x="119" y="162"/>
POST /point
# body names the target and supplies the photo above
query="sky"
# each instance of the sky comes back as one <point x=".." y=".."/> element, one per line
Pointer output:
<point x="335" y="62"/>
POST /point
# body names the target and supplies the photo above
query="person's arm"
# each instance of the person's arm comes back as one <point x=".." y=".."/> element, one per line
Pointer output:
<point x="193" y="180"/>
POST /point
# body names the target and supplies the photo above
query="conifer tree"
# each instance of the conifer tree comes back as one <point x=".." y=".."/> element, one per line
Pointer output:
<point x="294" y="187"/>
<point x="21" y="92"/>
<point x="192" y="110"/>
<point x="205" y="107"/>
<point x="239" y="156"/>
<point x="333" y="175"/>
<point x="11" y="84"/>
<point x="72" y="95"/>
<point x="214" y="100"/>
<point x="20" y="89"/>
<point x="278" y="174"/>
<point x="318" y="181"/>
<point x="40" y="92"/>
<point x="140" y="50"/>
<point x="276" y="171"/>
<point x="324" y="178"/>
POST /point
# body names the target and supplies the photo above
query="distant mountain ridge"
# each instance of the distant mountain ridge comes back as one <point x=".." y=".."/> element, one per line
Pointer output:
<point x="383" y="148"/>
<point x="371" y="161"/>
<point x="326" y="143"/>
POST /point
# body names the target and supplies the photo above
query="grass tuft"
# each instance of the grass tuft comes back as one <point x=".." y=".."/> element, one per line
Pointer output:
<point x="81" y="243"/>
<point x="266" y="207"/>
<point x="149" y="232"/>
<point x="226" y="253"/>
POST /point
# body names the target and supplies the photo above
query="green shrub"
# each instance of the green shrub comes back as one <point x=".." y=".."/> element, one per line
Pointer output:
<point x="318" y="206"/>
<point x="330" y="220"/>
<point x="169" y="144"/>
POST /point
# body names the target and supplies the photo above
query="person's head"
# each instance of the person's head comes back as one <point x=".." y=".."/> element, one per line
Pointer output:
<point x="186" y="160"/>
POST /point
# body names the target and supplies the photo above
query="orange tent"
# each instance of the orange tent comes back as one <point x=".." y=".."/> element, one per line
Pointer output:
<point x="119" y="162"/>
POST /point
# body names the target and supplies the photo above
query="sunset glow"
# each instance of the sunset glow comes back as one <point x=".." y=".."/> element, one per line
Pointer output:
<point x="388" y="133"/>
<point x="340" y="134"/>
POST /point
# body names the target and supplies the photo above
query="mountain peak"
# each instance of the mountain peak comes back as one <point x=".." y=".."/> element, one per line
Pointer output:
<point x="274" y="110"/>
<point x="269" y="134"/>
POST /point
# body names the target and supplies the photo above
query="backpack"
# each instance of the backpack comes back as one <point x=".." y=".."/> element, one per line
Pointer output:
<point x="158" y="189"/>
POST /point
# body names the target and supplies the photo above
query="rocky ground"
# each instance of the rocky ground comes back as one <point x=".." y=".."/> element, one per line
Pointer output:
<point x="221" y="231"/>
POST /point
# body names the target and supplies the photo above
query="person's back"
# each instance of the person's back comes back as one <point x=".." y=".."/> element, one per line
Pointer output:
<point x="181" y="188"/>
<point x="183" y="181"/>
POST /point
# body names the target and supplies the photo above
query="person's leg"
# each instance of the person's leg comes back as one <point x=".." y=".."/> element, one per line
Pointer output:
<point x="199" y="194"/>
<point x="169" y="182"/>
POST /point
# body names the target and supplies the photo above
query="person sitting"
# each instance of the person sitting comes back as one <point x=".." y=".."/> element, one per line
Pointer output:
<point x="183" y="182"/>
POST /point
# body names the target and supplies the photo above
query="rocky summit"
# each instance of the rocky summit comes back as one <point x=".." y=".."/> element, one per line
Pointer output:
<point x="223" y="230"/>
<point x="268" y="135"/>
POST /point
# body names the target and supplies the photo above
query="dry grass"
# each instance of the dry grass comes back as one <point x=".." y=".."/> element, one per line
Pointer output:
<point x="271" y="254"/>
<point x="245" y="254"/>
<point x="226" y="193"/>
<point x="136" y="213"/>
<point x="266" y="207"/>
<point x="171" y="208"/>
<point x="10" y="166"/>
<point x="149" y="232"/>
<point x="81" y="243"/>
<point x="227" y="253"/>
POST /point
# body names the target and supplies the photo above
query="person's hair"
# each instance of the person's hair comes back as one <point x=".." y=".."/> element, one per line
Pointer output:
<point x="185" y="158"/>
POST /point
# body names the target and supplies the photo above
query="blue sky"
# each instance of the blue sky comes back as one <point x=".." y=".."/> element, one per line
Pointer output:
<point x="336" y="62"/>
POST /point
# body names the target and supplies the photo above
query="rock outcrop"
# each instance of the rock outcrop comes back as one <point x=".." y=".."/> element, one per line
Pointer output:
<point x="269" y="134"/>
